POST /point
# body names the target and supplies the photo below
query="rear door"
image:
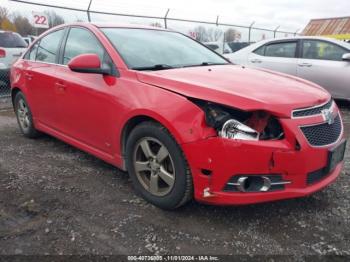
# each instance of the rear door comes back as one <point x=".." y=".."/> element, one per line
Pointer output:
<point x="40" y="78"/>
<point x="278" y="56"/>
<point x="321" y="62"/>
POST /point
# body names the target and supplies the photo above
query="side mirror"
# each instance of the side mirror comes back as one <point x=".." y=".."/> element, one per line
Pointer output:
<point x="346" y="57"/>
<point x="88" y="63"/>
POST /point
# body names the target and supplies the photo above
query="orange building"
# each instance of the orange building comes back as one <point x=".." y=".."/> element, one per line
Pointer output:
<point x="337" y="27"/>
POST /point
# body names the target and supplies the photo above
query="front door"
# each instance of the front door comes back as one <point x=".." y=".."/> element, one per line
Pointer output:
<point x="321" y="62"/>
<point x="276" y="56"/>
<point x="86" y="100"/>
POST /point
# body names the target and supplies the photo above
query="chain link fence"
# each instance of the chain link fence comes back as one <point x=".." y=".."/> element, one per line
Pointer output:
<point x="216" y="32"/>
<point x="4" y="83"/>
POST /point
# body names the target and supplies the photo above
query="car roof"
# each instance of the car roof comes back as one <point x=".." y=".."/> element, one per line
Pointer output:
<point x="7" y="31"/>
<point x="114" y="25"/>
<point x="212" y="42"/>
<point x="344" y="44"/>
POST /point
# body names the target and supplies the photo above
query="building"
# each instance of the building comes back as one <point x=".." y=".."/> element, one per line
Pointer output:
<point x="336" y="27"/>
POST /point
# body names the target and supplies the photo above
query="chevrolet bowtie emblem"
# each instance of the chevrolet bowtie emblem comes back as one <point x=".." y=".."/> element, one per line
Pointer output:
<point x="328" y="116"/>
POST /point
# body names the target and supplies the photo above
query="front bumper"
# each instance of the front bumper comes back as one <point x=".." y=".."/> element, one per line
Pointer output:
<point x="214" y="161"/>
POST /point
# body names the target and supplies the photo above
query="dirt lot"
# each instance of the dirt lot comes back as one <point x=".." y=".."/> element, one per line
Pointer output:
<point x="55" y="199"/>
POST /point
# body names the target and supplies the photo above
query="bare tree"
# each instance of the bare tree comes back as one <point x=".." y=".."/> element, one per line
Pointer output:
<point x="54" y="18"/>
<point x="4" y="13"/>
<point x="232" y="35"/>
<point x="204" y="34"/>
<point x="214" y="34"/>
<point x="22" y="24"/>
<point x="201" y="33"/>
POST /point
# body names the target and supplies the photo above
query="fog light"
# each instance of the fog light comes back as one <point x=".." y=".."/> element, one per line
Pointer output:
<point x="251" y="184"/>
<point x="256" y="183"/>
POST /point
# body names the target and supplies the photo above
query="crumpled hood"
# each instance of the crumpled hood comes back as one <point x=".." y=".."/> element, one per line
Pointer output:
<point x="243" y="88"/>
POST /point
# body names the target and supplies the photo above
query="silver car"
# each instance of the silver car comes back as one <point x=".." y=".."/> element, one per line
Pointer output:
<point x="323" y="61"/>
<point x="11" y="47"/>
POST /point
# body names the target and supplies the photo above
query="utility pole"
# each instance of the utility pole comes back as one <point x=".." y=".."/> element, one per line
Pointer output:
<point x="274" y="32"/>
<point x="165" y="19"/>
<point x="250" y="30"/>
<point x="88" y="11"/>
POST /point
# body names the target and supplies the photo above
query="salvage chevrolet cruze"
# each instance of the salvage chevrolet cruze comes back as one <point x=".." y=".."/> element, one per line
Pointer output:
<point x="183" y="121"/>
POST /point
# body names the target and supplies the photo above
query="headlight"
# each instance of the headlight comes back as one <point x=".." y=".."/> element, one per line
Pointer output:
<point x="234" y="129"/>
<point x="232" y="123"/>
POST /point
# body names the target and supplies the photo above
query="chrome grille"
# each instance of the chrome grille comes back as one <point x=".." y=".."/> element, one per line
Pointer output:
<point x="312" y="110"/>
<point x="323" y="134"/>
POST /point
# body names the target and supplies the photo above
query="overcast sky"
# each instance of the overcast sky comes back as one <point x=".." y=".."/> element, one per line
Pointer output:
<point x="290" y="15"/>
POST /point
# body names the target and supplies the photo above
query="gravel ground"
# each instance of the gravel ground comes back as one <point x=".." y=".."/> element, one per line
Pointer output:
<point x="55" y="199"/>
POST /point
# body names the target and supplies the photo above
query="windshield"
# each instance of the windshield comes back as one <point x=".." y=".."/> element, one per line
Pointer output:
<point x="9" y="39"/>
<point x="346" y="45"/>
<point x="144" y="49"/>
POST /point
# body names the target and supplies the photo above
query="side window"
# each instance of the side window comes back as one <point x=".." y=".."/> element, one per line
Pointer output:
<point x="81" y="41"/>
<point x="213" y="46"/>
<point x="313" y="49"/>
<point x="33" y="51"/>
<point x="281" y="49"/>
<point x="260" y="51"/>
<point x="48" y="47"/>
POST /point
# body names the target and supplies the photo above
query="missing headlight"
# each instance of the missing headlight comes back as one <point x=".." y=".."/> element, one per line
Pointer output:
<point x="233" y="123"/>
<point x="273" y="130"/>
<point x="234" y="129"/>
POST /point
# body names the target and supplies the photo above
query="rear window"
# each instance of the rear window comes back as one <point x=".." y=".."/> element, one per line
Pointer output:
<point x="212" y="46"/>
<point x="260" y="51"/>
<point x="11" y="40"/>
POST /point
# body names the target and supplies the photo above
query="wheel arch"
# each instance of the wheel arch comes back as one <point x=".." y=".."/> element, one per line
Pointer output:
<point x="135" y="120"/>
<point x="14" y="92"/>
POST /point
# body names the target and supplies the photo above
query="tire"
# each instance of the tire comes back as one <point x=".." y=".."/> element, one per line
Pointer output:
<point x="163" y="163"/>
<point x="24" y="117"/>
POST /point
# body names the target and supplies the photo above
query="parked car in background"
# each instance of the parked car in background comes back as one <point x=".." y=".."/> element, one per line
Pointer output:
<point x="219" y="47"/>
<point x="11" y="48"/>
<point x="235" y="46"/>
<point x="29" y="39"/>
<point x="181" y="119"/>
<point x="323" y="61"/>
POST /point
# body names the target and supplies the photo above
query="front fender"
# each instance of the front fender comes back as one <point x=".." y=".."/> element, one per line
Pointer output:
<point x="184" y="120"/>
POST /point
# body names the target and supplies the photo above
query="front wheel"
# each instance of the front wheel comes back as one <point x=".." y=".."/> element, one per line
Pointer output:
<point x="157" y="166"/>
<point x="24" y="116"/>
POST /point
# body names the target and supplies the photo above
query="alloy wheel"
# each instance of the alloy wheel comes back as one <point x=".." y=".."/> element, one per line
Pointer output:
<point x="154" y="166"/>
<point x="23" y="115"/>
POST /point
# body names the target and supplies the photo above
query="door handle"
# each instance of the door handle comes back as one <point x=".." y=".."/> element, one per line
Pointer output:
<point x="255" y="61"/>
<point x="28" y="76"/>
<point x="305" y="65"/>
<point x="61" y="87"/>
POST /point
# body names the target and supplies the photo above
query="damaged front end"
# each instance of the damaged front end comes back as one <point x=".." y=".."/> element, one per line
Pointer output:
<point x="253" y="157"/>
<point x="231" y="123"/>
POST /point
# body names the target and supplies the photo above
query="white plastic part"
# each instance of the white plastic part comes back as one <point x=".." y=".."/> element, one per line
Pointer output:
<point x="233" y="129"/>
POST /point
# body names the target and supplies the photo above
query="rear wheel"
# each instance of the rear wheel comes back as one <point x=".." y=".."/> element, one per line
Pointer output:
<point x="157" y="166"/>
<point x="24" y="116"/>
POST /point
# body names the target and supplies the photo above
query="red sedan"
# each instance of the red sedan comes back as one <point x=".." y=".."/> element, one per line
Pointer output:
<point x="183" y="121"/>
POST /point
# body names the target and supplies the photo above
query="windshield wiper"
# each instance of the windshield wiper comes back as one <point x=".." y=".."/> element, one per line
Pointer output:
<point x="153" y="67"/>
<point x="207" y="64"/>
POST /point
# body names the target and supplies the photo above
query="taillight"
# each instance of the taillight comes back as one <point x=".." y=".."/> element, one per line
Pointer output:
<point x="2" y="53"/>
